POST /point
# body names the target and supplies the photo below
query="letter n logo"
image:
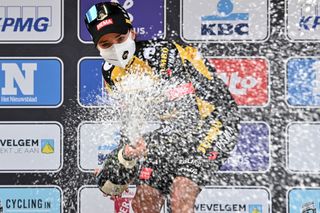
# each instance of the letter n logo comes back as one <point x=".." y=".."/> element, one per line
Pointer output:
<point x="24" y="78"/>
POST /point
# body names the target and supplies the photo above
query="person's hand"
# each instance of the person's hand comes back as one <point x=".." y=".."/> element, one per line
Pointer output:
<point x="96" y="172"/>
<point x="112" y="197"/>
<point x="115" y="197"/>
<point x="137" y="150"/>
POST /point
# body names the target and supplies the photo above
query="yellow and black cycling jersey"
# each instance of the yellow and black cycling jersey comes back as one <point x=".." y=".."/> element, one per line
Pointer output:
<point x="203" y="117"/>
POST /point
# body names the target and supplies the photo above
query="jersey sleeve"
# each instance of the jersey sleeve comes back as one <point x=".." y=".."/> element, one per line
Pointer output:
<point x="219" y="115"/>
<point x="203" y="115"/>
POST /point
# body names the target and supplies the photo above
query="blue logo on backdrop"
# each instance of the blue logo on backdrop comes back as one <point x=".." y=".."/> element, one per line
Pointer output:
<point x="30" y="82"/>
<point x="23" y="199"/>
<point x="227" y="23"/>
<point x="91" y="83"/>
<point x="303" y="82"/>
<point x="252" y="150"/>
<point x="305" y="200"/>
<point x="106" y="149"/>
<point x="29" y="21"/>
<point x="14" y="20"/>
<point x="117" y="136"/>
<point x="310" y="19"/>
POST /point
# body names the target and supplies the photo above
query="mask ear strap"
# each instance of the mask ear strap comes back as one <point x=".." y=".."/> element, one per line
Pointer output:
<point x="133" y="34"/>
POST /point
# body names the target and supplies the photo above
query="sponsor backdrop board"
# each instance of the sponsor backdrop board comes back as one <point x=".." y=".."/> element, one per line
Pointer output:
<point x="211" y="199"/>
<point x="303" y="82"/>
<point x="303" y="200"/>
<point x="147" y="28"/>
<point x="91" y="90"/>
<point x="96" y="140"/>
<point x="31" y="82"/>
<point x="16" y="199"/>
<point x="269" y="64"/>
<point x="31" y="146"/>
<point x="237" y="199"/>
<point x="91" y="194"/>
<point x="31" y="21"/>
<point x="302" y="157"/>
<point x="224" y="20"/>
<point x="302" y="20"/>
<point x="252" y="152"/>
<point x="247" y="78"/>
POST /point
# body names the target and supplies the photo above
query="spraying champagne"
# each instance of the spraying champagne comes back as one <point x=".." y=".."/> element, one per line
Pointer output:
<point x="119" y="168"/>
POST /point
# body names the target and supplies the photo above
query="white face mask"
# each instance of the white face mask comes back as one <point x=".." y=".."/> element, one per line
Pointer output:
<point x="119" y="54"/>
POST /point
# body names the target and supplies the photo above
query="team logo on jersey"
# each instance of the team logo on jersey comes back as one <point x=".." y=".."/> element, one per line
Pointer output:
<point x="232" y="20"/>
<point x="146" y="28"/>
<point x="31" y="82"/>
<point x="35" y="21"/>
<point x="145" y="173"/>
<point x="303" y="82"/>
<point x="303" y="20"/>
<point x="247" y="79"/>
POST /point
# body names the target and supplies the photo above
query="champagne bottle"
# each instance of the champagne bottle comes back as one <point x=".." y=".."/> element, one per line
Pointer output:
<point x="117" y="171"/>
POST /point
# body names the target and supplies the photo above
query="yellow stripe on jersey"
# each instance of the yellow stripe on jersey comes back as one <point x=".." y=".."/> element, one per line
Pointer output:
<point x="136" y="66"/>
<point x="213" y="132"/>
<point x="117" y="74"/>
<point x="139" y="66"/>
<point x="205" y="108"/>
<point x="108" y="87"/>
<point x="191" y="54"/>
